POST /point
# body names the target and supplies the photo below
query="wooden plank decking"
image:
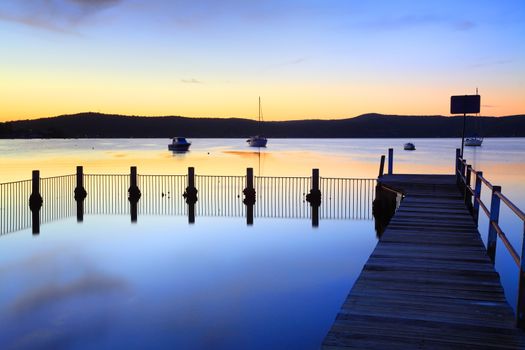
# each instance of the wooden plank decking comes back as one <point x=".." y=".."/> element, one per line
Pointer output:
<point x="429" y="283"/>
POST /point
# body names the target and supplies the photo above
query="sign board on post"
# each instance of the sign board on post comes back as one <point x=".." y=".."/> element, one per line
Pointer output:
<point x="465" y="104"/>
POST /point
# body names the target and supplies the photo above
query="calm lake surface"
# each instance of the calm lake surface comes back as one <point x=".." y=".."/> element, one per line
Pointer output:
<point x="218" y="283"/>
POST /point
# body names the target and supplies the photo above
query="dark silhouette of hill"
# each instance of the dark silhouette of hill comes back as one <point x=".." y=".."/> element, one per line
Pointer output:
<point x="96" y="125"/>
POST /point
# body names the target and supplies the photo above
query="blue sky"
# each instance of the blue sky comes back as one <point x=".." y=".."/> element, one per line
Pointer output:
<point x="307" y="59"/>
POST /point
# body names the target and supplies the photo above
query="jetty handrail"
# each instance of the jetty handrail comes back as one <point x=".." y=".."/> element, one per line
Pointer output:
<point x="473" y="200"/>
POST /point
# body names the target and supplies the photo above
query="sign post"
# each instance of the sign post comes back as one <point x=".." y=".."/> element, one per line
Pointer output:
<point x="463" y="105"/>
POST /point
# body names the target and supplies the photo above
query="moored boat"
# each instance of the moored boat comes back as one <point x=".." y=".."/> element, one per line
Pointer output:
<point x="258" y="140"/>
<point x="473" y="141"/>
<point x="179" y="144"/>
<point x="409" y="146"/>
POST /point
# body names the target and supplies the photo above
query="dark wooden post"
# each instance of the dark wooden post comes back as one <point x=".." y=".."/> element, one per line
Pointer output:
<point x="80" y="194"/>
<point x="382" y="166"/>
<point x="494" y="218"/>
<point x="390" y="161"/>
<point x="477" y="195"/>
<point x="133" y="176"/>
<point x="191" y="192"/>
<point x="520" y="308"/>
<point x="467" y="196"/>
<point x="191" y="177"/>
<point x="133" y="193"/>
<point x="249" y="194"/>
<point x="35" y="201"/>
<point x="458" y="166"/>
<point x="315" y="205"/>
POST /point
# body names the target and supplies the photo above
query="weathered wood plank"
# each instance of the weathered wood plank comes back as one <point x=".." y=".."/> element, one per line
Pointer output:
<point x="429" y="283"/>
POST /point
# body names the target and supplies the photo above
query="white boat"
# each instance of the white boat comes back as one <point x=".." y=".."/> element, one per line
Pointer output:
<point x="258" y="140"/>
<point x="473" y="141"/>
<point x="409" y="146"/>
<point x="179" y="144"/>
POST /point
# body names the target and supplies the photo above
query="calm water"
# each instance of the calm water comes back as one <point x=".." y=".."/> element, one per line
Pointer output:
<point x="218" y="283"/>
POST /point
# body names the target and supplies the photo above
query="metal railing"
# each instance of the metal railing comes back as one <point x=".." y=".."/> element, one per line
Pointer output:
<point x="14" y="209"/>
<point x="472" y="195"/>
<point x="275" y="197"/>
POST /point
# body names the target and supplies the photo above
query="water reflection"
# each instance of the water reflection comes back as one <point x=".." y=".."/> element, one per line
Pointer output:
<point x="275" y="285"/>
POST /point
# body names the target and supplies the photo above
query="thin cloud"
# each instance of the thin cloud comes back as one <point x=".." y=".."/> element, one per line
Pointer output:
<point x="411" y="21"/>
<point x="191" y="81"/>
<point x="54" y="15"/>
<point x="490" y="63"/>
<point x="285" y="63"/>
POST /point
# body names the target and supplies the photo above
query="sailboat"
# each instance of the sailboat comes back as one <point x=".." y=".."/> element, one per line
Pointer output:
<point x="258" y="140"/>
<point x="474" y="140"/>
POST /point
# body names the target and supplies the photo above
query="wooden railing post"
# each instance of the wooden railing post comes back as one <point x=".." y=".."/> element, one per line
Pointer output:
<point x="382" y="166"/>
<point x="458" y="165"/>
<point x="477" y="196"/>
<point x="467" y="196"/>
<point x="314" y="197"/>
<point x="390" y="161"/>
<point x="191" y="177"/>
<point x="520" y="308"/>
<point x="191" y="195"/>
<point x="80" y="194"/>
<point x="134" y="193"/>
<point x="249" y="196"/>
<point x="494" y="218"/>
<point x="35" y="201"/>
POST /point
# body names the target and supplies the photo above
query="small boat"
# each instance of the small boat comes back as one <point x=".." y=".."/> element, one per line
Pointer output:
<point x="179" y="144"/>
<point x="475" y="141"/>
<point x="258" y="140"/>
<point x="409" y="146"/>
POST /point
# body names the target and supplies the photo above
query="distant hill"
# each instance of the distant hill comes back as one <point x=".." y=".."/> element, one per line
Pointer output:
<point x="97" y="125"/>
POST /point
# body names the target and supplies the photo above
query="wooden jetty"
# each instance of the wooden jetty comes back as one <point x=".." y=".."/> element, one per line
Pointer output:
<point x="429" y="283"/>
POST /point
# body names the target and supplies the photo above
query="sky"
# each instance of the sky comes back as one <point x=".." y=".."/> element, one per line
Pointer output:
<point x="322" y="59"/>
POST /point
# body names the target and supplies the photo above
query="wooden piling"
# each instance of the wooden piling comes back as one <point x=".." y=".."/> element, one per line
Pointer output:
<point x="390" y="161"/>
<point x="249" y="193"/>
<point x="315" y="205"/>
<point x="494" y="218"/>
<point x="80" y="194"/>
<point x="382" y="166"/>
<point x="191" y="177"/>
<point x="467" y="195"/>
<point x="35" y="202"/>
<point x="457" y="172"/>
<point x="477" y="195"/>
<point x="520" y="308"/>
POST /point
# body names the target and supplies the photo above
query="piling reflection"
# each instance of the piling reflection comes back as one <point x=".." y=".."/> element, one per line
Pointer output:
<point x="231" y="196"/>
<point x="384" y="207"/>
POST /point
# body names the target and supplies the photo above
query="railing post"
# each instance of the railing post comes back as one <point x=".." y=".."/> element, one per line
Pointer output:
<point x="520" y="308"/>
<point x="494" y="218"/>
<point x="80" y="194"/>
<point x="35" y="201"/>
<point x="314" y="197"/>
<point x="191" y="177"/>
<point x="134" y="193"/>
<point x="467" y="196"/>
<point x="191" y="195"/>
<point x="477" y="196"/>
<point x="390" y="161"/>
<point x="382" y="166"/>
<point x="249" y="196"/>
<point x="457" y="172"/>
